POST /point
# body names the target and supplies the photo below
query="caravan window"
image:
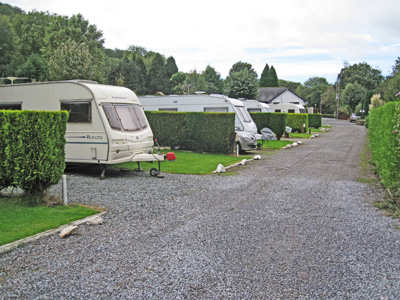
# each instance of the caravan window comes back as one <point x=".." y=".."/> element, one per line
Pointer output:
<point x="291" y="111"/>
<point x="79" y="111"/>
<point x="254" y="110"/>
<point x="215" y="109"/>
<point x="244" y="114"/>
<point x="125" y="117"/>
<point x="11" y="106"/>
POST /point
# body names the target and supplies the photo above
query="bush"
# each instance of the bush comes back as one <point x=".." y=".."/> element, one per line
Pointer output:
<point x="314" y="120"/>
<point x="277" y="123"/>
<point x="261" y="119"/>
<point x="32" y="149"/>
<point x="328" y="116"/>
<point x="296" y="121"/>
<point x="384" y="124"/>
<point x="197" y="131"/>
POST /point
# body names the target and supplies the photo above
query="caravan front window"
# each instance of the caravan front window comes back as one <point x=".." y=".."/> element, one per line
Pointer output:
<point x="11" y="106"/>
<point x="127" y="117"/>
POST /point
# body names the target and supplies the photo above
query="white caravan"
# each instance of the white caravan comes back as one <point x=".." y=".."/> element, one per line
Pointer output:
<point x="244" y="124"/>
<point x="106" y="124"/>
<point x="288" y="108"/>
<point x="255" y="106"/>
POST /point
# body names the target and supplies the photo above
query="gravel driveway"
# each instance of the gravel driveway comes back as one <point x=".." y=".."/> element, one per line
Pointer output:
<point x="295" y="225"/>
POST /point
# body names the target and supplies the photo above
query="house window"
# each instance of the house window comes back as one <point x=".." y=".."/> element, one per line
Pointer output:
<point x="79" y="111"/>
<point x="11" y="106"/>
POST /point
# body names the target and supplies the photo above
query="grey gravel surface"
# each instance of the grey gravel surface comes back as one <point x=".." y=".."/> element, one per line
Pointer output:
<point x="295" y="225"/>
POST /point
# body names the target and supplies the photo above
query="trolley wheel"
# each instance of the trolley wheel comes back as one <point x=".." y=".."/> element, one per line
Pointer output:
<point x="154" y="172"/>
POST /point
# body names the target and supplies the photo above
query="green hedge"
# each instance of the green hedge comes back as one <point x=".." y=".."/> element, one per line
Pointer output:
<point x="384" y="124"/>
<point x="274" y="121"/>
<point x="32" y="148"/>
<point x="296" y="121"/>
<point x="196" y="131"/>
<point x="332" y="116"/>
<point x="314" y="120"/>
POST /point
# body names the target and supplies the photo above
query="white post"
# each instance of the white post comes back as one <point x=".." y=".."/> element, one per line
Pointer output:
<point x="237" y="149"/>
<point x="64" y="189"/>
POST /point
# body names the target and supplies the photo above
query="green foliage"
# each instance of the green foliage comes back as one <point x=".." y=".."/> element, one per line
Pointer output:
<point x="384" y="133"/>
<point x="277" y="123"/>
<point x="362" y="73"/>
<point x="34" y="68"/>
<point x="242" y="84"/>
<point x="215" y="84"/>
<point x="194" y="82"/>
<point x="288" y="84"/>
<point x="158" y="80"/>
<point x="352" y="95"/>
<point x="72" y="61"/>
<point x="264" y="75"/>
<point x="6" y="47"/>
<point x="32" y="149"/>
<point x="296" y="121"/>
<point x="272" y="78"/>
<point x="314" y="120"/>
<point x="261" y="119"/>
<point x="178" y="83"/>
<point x="200" y="132"/>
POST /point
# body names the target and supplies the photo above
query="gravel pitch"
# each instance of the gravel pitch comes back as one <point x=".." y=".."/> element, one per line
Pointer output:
<point x="295" y="225"/>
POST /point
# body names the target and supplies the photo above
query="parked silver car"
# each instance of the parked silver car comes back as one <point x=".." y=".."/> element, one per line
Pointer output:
<point x="353" y="118"/>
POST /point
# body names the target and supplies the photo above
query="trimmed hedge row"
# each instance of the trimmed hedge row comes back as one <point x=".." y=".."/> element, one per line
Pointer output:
<point x="296" y="121"/>
<point x="315" y="120"/>
<point x="274" y="121"/>
<point x="196" y="131"/>
<point x="32" y="149"/>
<point x="384" y="135"/>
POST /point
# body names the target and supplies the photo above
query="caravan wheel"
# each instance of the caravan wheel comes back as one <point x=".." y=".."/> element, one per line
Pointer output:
<point x="154" y="172"/>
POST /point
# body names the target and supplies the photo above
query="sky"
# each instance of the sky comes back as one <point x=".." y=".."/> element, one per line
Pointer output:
<point x="300" y="38"/>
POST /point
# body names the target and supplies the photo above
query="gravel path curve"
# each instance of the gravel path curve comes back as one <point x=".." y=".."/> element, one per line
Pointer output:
<point x="295" y="225"/>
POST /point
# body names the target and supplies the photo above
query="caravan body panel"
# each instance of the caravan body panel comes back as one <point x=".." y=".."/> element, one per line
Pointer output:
<point x="244" y="124"/>
<point x="90" y="137"/>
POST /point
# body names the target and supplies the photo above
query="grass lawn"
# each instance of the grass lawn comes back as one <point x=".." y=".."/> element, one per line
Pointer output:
<point x="296" y="135"/>
<point x="275" y="144"/>
<point x="18" y="221"/>
<point x="190" y="163"/>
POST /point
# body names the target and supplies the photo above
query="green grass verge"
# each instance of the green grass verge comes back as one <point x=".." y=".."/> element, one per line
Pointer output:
<point x="274" y="144"/>
<point x="296" y="135"/>
<point x="18" y="221"/>
<point x="189" y="163"/>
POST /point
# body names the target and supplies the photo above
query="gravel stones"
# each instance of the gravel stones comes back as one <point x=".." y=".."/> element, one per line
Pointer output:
<point x="294" y="225"/>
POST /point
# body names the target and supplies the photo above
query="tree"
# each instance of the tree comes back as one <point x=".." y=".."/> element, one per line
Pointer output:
<point x="178" y="83"/>
<point x="289" y="84"/>
<point x="242" y="84"/>
<point x="171" y="67"/>
<point x="72" y="61"/>
<point x="194" y="82"/>
<point x="329" y="100"/>
<point x="215" y="85"/>
<point x="264" y="75"/>
<point x="353" y="94"/>
<point x="158" y="80"/>
<point x="315" y="81"/>
<point x="35" y="68"/>
<point x="272" y="78"/>
<point x="239" y="66"/>
<point x="368" y="77"/>
<point x="6" y="47"/>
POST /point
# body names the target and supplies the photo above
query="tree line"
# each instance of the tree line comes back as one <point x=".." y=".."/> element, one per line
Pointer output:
<point x="41" y="46"/>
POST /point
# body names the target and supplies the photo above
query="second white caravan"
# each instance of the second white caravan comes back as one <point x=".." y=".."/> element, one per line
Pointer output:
<point x="288" y="108"/>
<point x="244" y="125"/>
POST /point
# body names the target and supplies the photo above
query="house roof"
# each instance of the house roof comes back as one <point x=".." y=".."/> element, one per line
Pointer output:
<point x="270" y="93"/>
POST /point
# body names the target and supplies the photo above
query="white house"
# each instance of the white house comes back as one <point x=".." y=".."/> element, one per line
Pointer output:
<point x="279" y="95"/>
